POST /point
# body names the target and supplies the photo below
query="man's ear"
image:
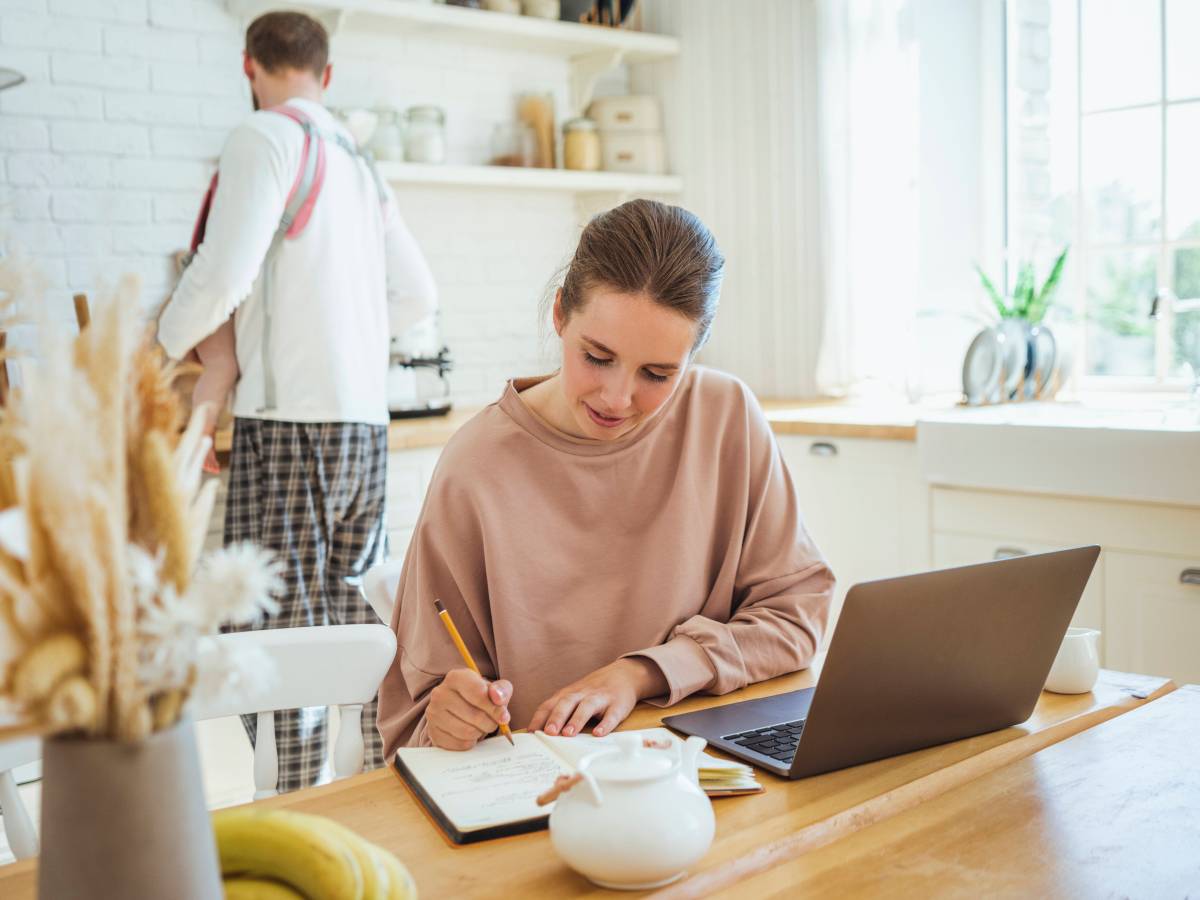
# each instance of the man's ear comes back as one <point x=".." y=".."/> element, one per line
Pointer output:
<point x="328" y="73"/>
<point x="248" y="67"/>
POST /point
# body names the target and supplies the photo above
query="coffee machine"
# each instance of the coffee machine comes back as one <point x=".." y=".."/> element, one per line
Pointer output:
<point x="417" y="382"/>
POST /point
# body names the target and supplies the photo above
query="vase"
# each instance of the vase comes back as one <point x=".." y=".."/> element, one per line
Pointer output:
<point x="126" y="821"/>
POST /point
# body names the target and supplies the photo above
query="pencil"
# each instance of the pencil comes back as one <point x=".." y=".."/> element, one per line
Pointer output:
<point x="465" y="653"/>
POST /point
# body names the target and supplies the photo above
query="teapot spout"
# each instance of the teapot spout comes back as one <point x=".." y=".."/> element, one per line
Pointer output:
<point x="689" y="757"/>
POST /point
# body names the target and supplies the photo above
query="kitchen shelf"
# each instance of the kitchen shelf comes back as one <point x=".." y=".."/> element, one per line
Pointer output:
<point x="570" y="40"/>
<point x="530" y="179"/>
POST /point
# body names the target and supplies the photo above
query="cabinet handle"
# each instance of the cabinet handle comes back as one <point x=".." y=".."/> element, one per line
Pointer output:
<point x="1009" y="552"/>
<point x="822" y="448"/>
<point x="1189" y="576"/>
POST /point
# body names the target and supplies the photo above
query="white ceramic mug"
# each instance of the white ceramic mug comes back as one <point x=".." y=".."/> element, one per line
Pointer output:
<point x="1077" y="664"/>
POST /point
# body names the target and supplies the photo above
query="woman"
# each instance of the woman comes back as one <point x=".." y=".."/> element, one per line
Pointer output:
<point x="622" y="530"/>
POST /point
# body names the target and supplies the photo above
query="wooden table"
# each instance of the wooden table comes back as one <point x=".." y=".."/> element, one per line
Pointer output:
<point x="1112" y="812"/>
<point x="753" y="832"/>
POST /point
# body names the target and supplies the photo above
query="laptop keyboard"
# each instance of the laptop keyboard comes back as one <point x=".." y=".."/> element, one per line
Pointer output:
<point x="776" y="741"/>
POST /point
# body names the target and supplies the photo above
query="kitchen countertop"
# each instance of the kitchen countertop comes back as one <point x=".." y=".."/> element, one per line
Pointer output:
<point x="834" y="418"/>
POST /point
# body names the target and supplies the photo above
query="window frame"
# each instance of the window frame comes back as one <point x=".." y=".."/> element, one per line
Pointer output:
<point x="1082" y="249"/>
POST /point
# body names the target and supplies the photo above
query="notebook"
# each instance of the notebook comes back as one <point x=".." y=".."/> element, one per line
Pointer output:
<point x="491" y="790"/>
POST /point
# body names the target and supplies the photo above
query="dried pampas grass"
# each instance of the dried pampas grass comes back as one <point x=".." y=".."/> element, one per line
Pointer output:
<point x="102" y="520"/>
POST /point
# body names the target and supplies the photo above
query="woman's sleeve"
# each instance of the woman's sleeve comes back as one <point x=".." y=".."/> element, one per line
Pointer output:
<point x="444" y="562"/>
<point x="782" y="591"/>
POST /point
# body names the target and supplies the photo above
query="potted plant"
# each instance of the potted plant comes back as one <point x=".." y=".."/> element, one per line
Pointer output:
<point x="104" y="591"/>
<point x="1028" y="302"/>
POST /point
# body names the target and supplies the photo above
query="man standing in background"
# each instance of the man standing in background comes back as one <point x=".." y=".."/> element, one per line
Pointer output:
<point x="306" y="246"/>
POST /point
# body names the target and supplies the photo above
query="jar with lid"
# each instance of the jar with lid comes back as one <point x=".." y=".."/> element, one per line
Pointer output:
<point x="387" y="143"/>
<point x="425" y="134"/>
<point x="581" y="145"/>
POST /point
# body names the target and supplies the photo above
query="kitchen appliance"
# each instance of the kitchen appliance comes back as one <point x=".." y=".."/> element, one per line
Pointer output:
<point x="417" y="386"/>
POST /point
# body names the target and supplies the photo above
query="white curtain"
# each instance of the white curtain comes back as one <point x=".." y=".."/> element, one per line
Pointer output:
<point x="869" y="133"/>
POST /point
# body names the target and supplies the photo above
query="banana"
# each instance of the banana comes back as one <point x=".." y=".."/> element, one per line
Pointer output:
<point x="400" y="883"/>
<point x="388" y="878"/>
<point x="375" y="875"/>
<point x="259" y="889"/>
<point x="291" y="847"/>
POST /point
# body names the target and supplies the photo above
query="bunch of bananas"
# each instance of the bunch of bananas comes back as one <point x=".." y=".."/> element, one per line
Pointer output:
<point x="275" y="854"/>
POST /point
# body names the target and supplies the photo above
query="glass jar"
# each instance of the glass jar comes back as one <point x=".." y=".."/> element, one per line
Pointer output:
<point x="387" y="142"/>
<point x="581" y="145"/>
<point x="425" y="134"/>
<point x="513" y="144"/>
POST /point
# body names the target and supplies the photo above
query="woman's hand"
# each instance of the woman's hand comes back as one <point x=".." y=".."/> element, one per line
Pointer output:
<point x="611" y="692"/>
<point x="464" y="708"/>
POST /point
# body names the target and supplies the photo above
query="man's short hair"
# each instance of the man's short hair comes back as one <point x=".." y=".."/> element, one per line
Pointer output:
<point x="288" y="40"/>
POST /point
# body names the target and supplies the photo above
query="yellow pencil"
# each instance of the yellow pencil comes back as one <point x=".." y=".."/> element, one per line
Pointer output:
<point x="465" y="653"/>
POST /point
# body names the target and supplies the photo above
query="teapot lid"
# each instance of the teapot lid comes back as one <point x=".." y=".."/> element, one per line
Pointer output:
<point x="629" y="761"/>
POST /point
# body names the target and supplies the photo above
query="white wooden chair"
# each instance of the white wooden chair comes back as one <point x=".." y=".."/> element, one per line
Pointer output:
<point x="380" y="585"/>
<point x="18" y="826"/>
<point x="330" y="665"/>
<point x="324" y="665"/>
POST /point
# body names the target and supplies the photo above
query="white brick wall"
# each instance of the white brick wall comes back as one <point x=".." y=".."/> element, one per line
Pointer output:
<point x="108" y="146"/>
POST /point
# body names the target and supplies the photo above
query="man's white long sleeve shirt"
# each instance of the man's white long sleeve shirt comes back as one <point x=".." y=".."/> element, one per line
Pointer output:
<point x="338" y="289"/>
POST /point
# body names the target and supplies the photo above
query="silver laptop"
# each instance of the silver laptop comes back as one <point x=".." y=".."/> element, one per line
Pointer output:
<point x="914" y="661"/>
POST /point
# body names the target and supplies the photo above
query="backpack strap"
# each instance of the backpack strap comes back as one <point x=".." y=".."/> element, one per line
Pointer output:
<point x="296" y="213"/>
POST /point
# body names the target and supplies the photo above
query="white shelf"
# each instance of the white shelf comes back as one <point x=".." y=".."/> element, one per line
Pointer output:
<point x="529" y="179"/>
<point x="569" y="40"/>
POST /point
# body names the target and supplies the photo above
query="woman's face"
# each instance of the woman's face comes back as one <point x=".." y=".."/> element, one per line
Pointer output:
<point x="623" y="357"/>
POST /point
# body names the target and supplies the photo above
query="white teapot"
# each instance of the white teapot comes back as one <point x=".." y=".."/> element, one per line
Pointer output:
<point x="637" y="818"/>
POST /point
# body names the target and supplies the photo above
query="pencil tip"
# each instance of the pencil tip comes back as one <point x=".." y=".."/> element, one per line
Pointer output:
<point x="438" y="605"/>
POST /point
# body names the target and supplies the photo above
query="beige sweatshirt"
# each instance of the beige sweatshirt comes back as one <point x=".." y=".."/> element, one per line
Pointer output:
<point x="682" y="543"/>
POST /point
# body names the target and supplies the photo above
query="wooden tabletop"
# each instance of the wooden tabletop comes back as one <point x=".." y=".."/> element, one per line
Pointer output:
<point x="1112" y="812"/>
<point x="753" y="832"/>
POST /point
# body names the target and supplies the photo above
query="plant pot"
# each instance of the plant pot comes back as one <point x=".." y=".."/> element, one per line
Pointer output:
<point x="126" y="821"/>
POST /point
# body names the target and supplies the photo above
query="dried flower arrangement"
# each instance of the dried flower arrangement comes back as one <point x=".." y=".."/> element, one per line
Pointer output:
<point x="103" y="591"/>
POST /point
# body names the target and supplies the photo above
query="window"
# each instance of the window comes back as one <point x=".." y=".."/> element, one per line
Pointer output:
<point x="1103" y="144"/>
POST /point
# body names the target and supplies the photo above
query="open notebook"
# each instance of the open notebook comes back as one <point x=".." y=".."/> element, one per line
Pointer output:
<point x="491" y="790"/>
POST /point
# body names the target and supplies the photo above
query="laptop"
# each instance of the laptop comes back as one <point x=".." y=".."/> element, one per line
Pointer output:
<point x="914" y="661"/>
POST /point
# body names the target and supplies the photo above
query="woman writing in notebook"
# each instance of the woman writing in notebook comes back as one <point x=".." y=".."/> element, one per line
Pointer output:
<point x="621" y="530"/>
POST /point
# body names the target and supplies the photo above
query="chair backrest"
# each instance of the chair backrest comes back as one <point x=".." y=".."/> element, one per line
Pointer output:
<point x="18" y="826"/>
<point x="324" y="665"/>
<point x="380" y="585"/>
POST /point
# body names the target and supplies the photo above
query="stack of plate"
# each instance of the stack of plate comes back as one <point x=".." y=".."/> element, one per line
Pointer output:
<point x="1011" y="361"/>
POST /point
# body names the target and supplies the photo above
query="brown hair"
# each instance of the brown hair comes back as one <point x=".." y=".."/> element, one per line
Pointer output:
<point x="288" y="40"/>
<point x="647" y="247"/>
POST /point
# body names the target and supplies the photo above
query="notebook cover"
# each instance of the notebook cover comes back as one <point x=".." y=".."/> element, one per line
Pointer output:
<point x="506" y="829"/>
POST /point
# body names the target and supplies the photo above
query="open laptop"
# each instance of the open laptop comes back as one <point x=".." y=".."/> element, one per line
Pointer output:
<point x="914" y="661"/>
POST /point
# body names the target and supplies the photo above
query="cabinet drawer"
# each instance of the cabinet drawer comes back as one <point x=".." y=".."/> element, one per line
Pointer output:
<point x="1153" y="614"/>
<point x="1068" y="522"/>
<point x="951" y="550"/>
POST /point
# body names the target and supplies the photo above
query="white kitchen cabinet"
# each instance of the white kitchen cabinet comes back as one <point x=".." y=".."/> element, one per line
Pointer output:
<point x="1153" y="614"/>
<point x="951" y="550"/>
<point x="1149" y="618"/>
<point x="864" y="505"/>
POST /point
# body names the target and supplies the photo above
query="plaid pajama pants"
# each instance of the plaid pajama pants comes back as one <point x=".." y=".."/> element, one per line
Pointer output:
<point x="314" y="493"/>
